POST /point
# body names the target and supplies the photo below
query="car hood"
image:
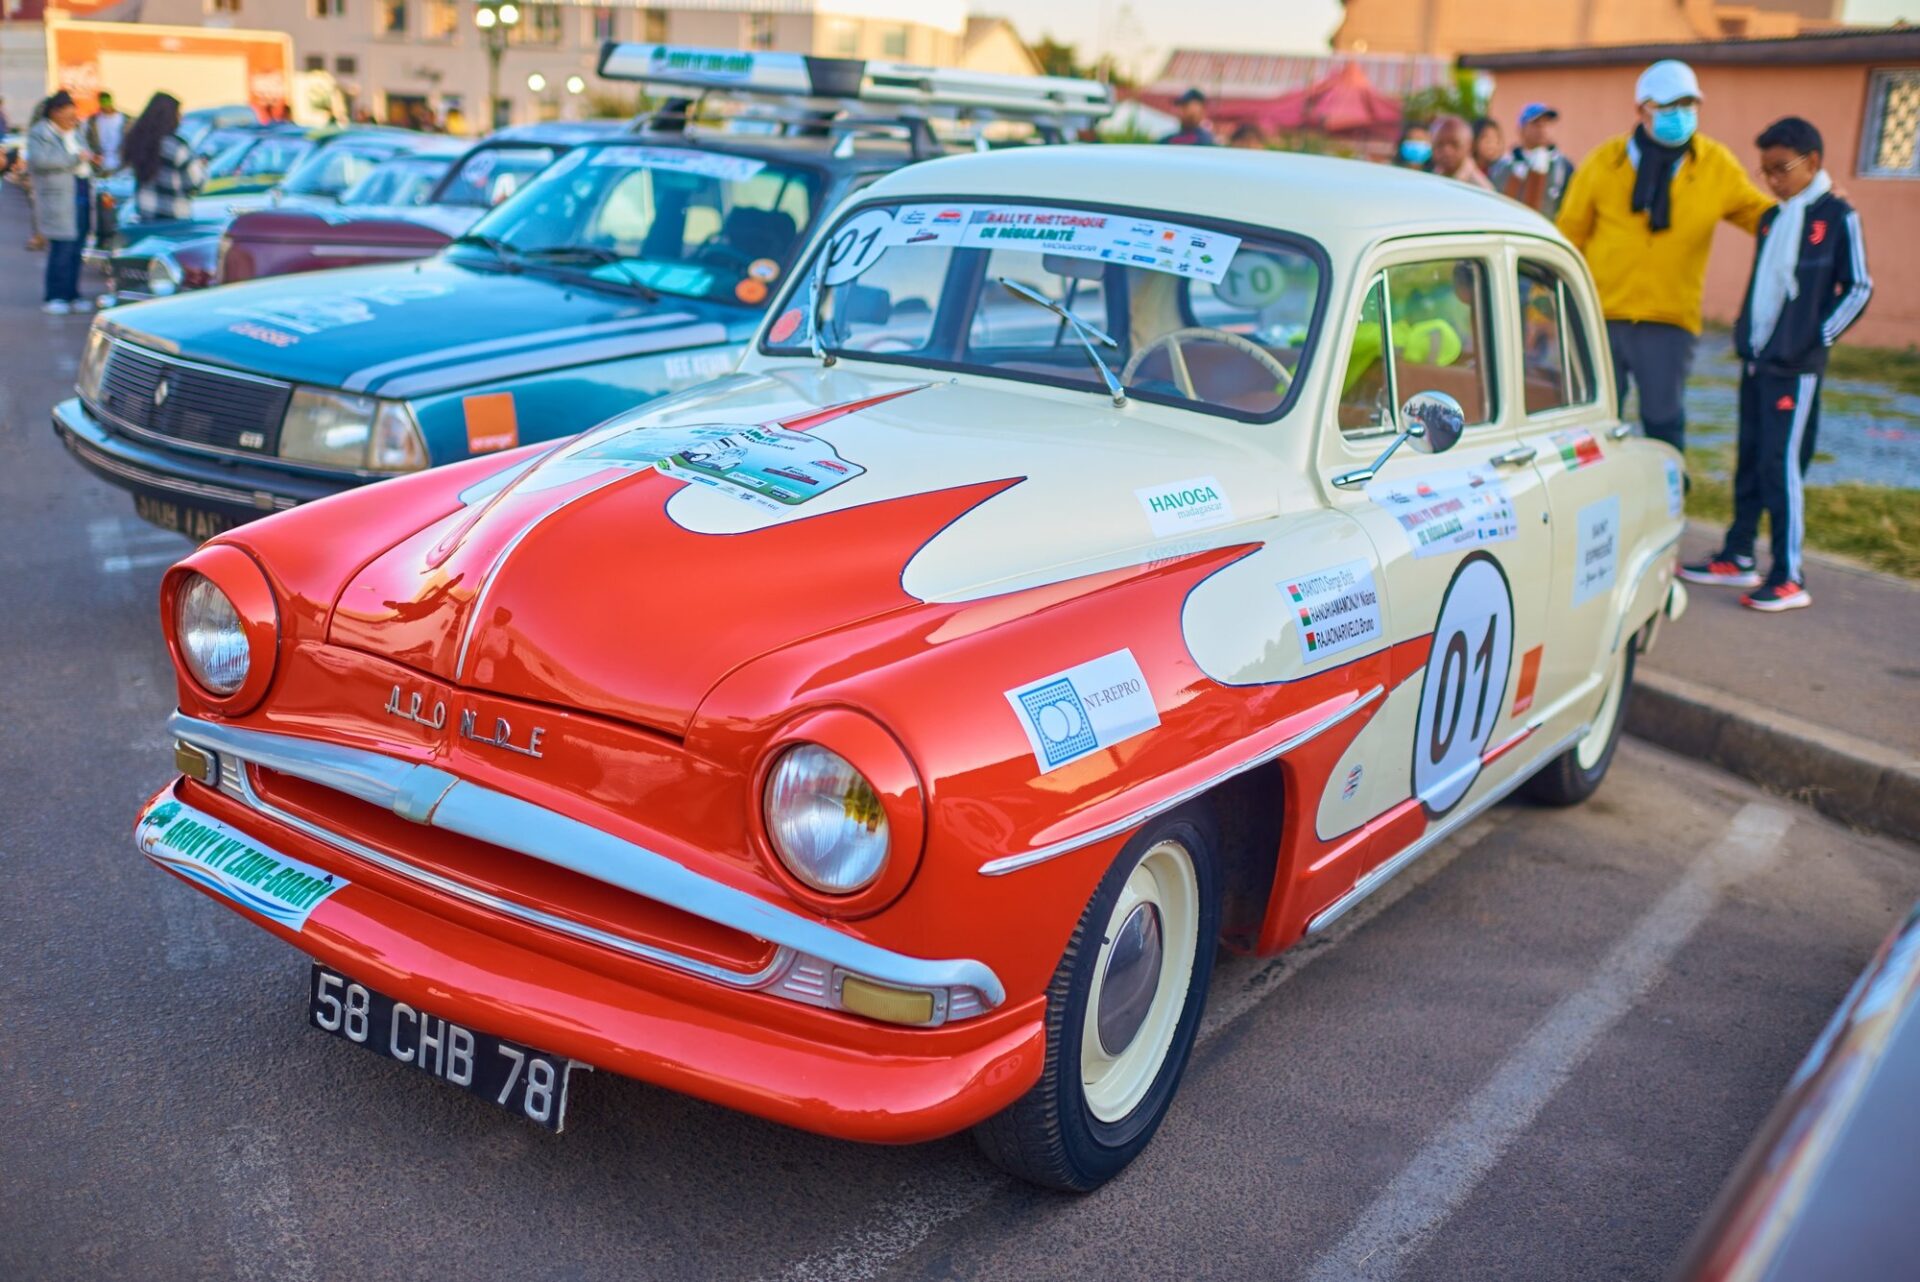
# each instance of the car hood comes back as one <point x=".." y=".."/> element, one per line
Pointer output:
<point x="629" y="570"/>
<point x="414" y="329"/>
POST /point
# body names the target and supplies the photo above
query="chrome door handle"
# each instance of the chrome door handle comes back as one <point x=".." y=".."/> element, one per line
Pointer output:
<point x="1354" y="479"/>
<point x="1515" y="457"/>
<point x="1620" y="431"/>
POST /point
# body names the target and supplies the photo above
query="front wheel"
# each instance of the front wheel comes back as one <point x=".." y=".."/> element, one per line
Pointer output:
<point x="1122" y="1011"/>
<point x="1573" y="776"/>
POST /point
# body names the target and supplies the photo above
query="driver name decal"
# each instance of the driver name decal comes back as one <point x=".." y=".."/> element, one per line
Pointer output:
<point x="1086" y="708"/>
<point x="1337" y="609"/>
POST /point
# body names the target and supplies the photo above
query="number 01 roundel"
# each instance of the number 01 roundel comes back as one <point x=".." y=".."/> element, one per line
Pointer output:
<point x="1465" y="685"/>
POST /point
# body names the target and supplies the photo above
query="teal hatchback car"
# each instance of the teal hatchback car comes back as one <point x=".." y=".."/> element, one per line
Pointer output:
<point x="633" y="266"/>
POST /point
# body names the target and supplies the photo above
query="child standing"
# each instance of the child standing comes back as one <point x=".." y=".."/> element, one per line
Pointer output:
<point x="1809" y="284"/>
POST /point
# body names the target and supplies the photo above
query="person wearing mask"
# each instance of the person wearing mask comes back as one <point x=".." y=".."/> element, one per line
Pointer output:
<point x="1193" y="131"/>
<point x="1535" y="172"/>
<point x="1809" y="284"/>
<point x="1415" y="148"/>
<point x="60" y="166"/>
<point x="166" y="172"/>
<point x="1642" y="207"/>
<point x="1489" y="144"/>
<point x="1453" y="152"/>
<point x="105" y="128"/>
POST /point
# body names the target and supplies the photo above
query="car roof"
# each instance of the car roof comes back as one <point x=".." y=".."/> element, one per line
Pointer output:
<point x="564" y="132"/>
<point x="1343" y="204"/>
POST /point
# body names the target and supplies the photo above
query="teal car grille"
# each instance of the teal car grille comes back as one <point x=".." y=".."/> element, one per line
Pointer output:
<point x="149" y="394"/>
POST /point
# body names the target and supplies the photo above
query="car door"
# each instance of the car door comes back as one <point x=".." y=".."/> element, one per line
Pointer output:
<point x="1462" y="536"/>
<point x="1568" y="417"/>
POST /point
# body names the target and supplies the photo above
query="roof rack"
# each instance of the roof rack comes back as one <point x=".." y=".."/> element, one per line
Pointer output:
<point x="932" y="91"/>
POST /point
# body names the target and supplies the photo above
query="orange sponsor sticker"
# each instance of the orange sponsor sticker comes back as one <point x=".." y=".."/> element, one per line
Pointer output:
<point x="1529" y="677"/>
<point x="750" y="290"/>
<point x="491" y="423"/>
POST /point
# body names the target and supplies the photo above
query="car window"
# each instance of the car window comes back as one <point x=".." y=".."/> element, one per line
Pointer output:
<point x="397" y="182"/>
<point x="975" y="287"/>
<point x="1366" y="395"/>
<point x="1555" y="360"/>
<point x="332" y="170"/>
<point x="1437" y="313"/>
<point x="487" y="177"/>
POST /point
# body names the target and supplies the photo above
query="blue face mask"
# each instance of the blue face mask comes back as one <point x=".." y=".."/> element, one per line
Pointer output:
<point x="1673" y="126"/>
<point x="1416" y="151"/>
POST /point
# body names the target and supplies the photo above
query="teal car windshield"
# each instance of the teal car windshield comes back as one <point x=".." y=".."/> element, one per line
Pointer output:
<point x="405" y="180"/>
<point x="329" y="171"/>
<point x="673" y="220"/>
<point x="489" y="175"/>
<point x="1121" y="302"/>
<point x="273" y="154"/>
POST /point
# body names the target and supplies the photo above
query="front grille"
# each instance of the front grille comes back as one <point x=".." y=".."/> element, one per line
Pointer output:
<point x="201" y="405"/>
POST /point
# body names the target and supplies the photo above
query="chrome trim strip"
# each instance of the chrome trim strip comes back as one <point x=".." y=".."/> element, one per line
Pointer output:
<point x="225" y="371"/>
<point x="1380" y="876"/>
<point x="494" y="817"/>
<point x="1013" y="863"/>
<point x="1626" y="599"/>
<point x="107" y="463"/>
<point x="480" y="597"/>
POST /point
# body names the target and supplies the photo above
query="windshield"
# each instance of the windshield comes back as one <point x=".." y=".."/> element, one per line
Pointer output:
<point x="699" y="224"/>
<point x="489" y="176"/>
<point x="404" y="181"/>
<point x="332" y="170"/>
<point x="275" y="154"/>
<point x="1175" y="311"/>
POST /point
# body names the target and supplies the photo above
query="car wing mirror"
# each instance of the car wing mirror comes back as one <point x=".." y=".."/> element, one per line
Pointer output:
<point x="1433" y="421"/>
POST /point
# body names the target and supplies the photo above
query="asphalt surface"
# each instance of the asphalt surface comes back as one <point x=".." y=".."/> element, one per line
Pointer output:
<point x="1534" y="1056"/>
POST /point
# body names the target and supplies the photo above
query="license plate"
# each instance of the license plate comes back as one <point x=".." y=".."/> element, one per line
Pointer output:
<point x="518" y="1078"/>
<point x="193" y="522"/>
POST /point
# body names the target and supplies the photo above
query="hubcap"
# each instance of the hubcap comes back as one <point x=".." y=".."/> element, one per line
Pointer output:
<point x="1140" y="980"/>
<point x="1133" y="971"/>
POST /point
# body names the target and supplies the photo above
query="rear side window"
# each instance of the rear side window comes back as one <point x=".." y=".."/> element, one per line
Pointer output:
<point x="1555" y="360"/>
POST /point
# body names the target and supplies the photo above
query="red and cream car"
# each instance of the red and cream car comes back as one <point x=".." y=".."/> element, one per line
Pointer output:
<point x="880" y="739"/>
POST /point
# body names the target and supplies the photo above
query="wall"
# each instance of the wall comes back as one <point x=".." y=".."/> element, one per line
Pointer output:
<point x="1597" y="102"/>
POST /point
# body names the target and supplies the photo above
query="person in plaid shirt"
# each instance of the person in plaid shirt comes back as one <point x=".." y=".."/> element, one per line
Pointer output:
<point x="166" y="173"/>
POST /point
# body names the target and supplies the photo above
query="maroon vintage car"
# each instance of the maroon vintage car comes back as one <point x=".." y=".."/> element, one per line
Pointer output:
<point x="277" y="242"/>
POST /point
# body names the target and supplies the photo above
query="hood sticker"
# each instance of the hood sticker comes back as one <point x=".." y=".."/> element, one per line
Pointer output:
<point x="766" y="466"/>
<point x="1449" y="511"/>
<point x="1338" y="608"/>
<point x="1181" y="507"/>
<point x="492" y="423"/>
<point x="1086" y="708"/>
<point x="225" y="861"/>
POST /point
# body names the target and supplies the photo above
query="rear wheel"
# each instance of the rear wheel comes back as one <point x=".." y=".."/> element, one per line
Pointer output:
<point x="1573" y="776"/>
<point x="1122" y="1011"/>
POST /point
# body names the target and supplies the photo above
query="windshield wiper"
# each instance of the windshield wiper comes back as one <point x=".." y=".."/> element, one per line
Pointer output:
<point x="501" y="249"/>
<point x="1087" y="334"/>
<point x="596" y="254"/>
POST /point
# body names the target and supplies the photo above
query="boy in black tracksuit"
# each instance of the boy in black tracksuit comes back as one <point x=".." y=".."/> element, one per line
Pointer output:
<point x="1809" y="284"/>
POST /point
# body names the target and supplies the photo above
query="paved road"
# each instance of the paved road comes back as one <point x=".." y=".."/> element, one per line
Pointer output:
<point x="1533" y="1057"/>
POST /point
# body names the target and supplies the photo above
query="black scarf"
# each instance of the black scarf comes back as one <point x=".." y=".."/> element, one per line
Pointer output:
<point x="1653" y="182"/>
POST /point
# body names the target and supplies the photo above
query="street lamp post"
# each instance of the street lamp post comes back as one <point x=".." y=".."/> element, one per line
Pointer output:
<point x="496" y="18"/>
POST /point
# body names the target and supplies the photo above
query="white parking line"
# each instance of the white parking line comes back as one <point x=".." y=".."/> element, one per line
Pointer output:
<point x="263" y="1228"/>
<point x="1393" y="1229"/>
<point x="123" y="562"/>
<point x="946" y="1193"/>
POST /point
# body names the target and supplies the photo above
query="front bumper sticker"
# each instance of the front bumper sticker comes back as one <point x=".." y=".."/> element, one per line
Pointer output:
<point x="227" y="862"/>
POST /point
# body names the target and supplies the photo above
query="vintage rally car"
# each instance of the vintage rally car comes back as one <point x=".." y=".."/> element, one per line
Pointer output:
<point x="630" y="267"/>
<point x="880" y="738"/>
<point x="370" y="226"/>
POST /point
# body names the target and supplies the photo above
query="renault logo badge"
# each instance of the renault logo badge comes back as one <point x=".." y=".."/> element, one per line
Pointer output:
<point x="160" y="391"/>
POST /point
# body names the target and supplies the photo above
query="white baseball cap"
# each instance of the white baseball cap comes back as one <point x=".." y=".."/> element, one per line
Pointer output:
<point x="1668" y="80"/>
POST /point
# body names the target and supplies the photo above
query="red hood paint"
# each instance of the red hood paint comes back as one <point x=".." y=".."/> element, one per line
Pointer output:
<point x="589" y="596"/>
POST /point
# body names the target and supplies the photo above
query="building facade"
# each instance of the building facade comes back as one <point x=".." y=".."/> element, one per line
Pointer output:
<point x="1448" y="27"/>
<point x="1860" y="88"/>
<point x="394" y="60"/>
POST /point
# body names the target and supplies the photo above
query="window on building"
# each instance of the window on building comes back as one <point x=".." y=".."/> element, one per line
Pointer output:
<point x="1890" y="143"/>
<point x="653" y="26"/>
<point x="759" y="31"/>
<point x="1554" y="360"/>
<point x="843" y="37"/>
<point x="1437" y="314"/>
<point x="442" y="19"/>
<point x="346" y="65"/>
<point x="391" y="18"/>
<point x="604" y="26"/>
<point x="327" y="9"/>
<point x="316" y="62"/>
<point x="893" y="42"/>
<point x="223" y="6"/>
<point x="540" y="24"/>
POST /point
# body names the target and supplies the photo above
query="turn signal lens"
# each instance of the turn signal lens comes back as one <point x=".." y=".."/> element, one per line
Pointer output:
<point x="213" y="642"/>
<point x="825" y="820"/>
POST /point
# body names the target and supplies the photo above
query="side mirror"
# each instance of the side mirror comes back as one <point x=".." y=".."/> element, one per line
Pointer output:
<point x="1433" y="421"/>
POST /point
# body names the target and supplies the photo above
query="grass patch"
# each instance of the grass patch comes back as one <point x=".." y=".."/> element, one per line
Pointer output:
<point x="1876" y="525"/>
<point x="1892" y="366"/>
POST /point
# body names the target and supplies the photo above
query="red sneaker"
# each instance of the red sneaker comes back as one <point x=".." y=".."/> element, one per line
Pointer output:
<point x="1723" y="571"/>
<point x="1776" y="597"/>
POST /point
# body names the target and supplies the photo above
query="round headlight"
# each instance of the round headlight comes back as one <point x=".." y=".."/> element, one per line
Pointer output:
<point x="163" y="275"/>
<point x="212" y="639"/>
<point x="825" y="820"/>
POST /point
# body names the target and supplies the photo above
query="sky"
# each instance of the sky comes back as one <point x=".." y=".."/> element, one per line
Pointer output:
<point x="1140" y="32"/>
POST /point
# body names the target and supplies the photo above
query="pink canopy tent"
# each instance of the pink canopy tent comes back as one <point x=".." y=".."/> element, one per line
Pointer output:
<point x="1343" y="104"/>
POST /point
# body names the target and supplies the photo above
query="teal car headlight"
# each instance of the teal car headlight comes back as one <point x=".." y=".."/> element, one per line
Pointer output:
<point x="361" y="433"/>
<point x="93" y="364"/>
<point x="163" y="275"/>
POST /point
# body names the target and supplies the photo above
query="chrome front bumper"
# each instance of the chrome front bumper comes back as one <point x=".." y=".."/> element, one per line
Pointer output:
<point x="814" y="960"/>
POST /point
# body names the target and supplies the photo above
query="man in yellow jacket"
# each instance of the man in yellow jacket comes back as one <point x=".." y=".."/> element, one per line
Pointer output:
<point x="1643" y="207"/>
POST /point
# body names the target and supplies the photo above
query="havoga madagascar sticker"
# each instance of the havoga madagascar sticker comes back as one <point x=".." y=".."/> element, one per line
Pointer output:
<point x="1465" y="683"/>
<point x="1088" y="707"/>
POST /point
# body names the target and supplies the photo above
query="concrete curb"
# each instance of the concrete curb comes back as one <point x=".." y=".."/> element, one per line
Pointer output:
<point x="1853" y="780"/>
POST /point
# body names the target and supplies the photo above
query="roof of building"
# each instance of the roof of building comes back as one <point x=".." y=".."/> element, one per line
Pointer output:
<point x="1340" y="203"/>
<point x="1899" y="43"/>
<point x="1232" y="74"/>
